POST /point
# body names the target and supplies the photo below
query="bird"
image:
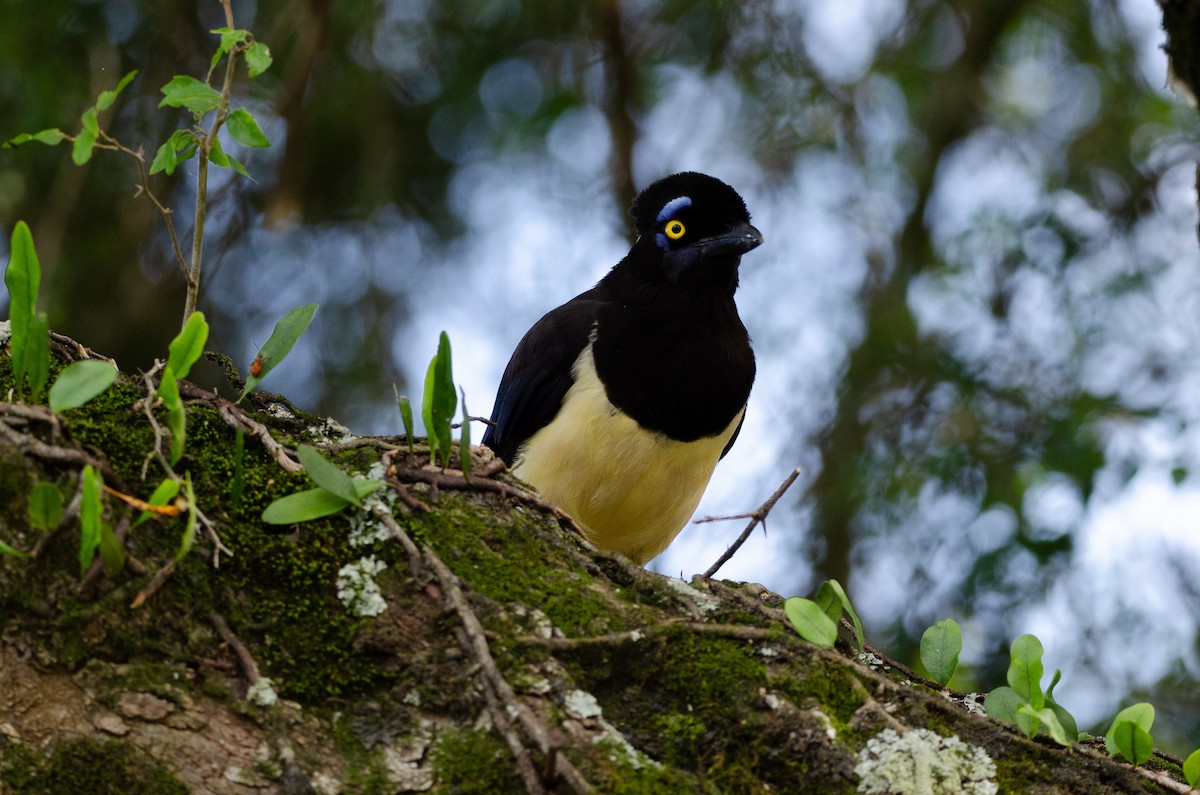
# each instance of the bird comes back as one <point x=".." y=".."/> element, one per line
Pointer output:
<point x="617" y="405"/>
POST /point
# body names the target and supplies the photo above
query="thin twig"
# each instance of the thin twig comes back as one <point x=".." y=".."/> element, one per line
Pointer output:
<point x="533" y="783"/>
<point x="249" y="667"/>
<point x="452" y="480"/>
<point x="477" y="646"/>
<point x="756" y="518"/>
<point x="48" y="452"/>
<point x="734" y="631"/>
<point x="414" y="554"/>
<point x="157" y="581"/>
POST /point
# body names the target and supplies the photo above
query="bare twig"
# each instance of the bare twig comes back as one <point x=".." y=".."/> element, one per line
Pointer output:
<point x="734" y="631"/>
<point x="477" y="646"/>
<point x="756" y="518"/>
<point x="533" y="783"/>
<point x="48" y="452"/>
<point x="414" y="554"/>
<point x="157" y="581"/>
<point x="451" y="480"/>
<point x="249" y="667"/>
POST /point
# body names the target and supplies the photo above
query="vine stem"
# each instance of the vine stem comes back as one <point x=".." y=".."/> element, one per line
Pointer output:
<point x="206" y="144"/>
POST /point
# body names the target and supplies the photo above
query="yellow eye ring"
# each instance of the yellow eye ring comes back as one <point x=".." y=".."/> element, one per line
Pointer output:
<point x="674" y="230"/>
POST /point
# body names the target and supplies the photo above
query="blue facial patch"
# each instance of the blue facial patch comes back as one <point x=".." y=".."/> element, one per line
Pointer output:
<point x="672" y="207"/>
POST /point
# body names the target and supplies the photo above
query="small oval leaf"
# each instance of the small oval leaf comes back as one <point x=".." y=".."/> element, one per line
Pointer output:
<point x="303" y="506"/>
<point x="80" y="382"/>
<point x="940" y="646"/>
<point x="45" y="506"/>
<point x="326" y="474"/>
<point x="810" y="621"/>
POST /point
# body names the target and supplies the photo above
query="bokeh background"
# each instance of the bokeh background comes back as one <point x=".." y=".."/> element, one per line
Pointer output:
<point x="976" y="314"/>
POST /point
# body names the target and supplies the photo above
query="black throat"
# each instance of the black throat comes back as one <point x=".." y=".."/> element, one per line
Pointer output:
<point x="676" y="358"/>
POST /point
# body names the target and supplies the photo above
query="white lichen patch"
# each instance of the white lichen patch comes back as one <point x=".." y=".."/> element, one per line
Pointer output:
<point x="920" y="762"/>
<point x="357" y="589"/>
<point x="583" y="706"/>
<point x="262" y="693"/>
<point x="705" y="602"/>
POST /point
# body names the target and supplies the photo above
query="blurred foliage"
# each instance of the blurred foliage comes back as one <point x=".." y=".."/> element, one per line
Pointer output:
<point x="973" y="376"/>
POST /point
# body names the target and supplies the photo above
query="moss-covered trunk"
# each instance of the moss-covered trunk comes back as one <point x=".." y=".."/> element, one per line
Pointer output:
<point x="452" y="638"/>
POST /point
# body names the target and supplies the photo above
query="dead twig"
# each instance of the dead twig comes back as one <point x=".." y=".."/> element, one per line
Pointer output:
<point x="533" y="782"/>
<point x="451" y="480"/>
<point x="157" y="581"/>
<point x="34" y="446"/>
<point x="733" y="631"/>
<point x="756" y="518"/>
<point x="414" y="554"/>
<point x="249" y="667"/>
<point x="476" y="645"/>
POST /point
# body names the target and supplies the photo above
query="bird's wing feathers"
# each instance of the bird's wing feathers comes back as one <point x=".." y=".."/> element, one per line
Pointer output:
<point x="539" y="374"/>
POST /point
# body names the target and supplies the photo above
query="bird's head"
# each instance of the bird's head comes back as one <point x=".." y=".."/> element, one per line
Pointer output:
<point x="696" y="225"/>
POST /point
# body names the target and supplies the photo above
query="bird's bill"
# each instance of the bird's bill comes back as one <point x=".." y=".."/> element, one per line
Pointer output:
<point x="738" y="240"/>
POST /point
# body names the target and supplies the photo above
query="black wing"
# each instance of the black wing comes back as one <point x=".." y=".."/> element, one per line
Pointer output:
<point x="539" y="374"/>
<point x="733" y="438"/>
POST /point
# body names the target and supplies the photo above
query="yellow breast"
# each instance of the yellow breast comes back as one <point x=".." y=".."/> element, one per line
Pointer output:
<point x="630" y="489"/>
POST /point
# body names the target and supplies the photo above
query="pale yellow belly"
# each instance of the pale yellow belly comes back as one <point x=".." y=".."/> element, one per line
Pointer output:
<point x="629" y="489"/>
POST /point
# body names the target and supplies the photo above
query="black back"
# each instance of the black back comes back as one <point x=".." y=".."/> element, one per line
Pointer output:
<point x="670" y="348"/>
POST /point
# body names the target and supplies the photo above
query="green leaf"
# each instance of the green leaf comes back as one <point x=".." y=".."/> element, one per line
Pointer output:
<point x="258" y="58"/>
<point x="810" y="621"/>
<point x="287" y="330"/>
<point x="37" y="354"/>
<point x="843" y="601"/>
<point x="189" y="529"/>
<point x="45" y="507"/>
<point x="940" y="646"/>
<point x="364" y="486"/>
<point x="1191" y="768"/>
<point x="230" y="38"/>
<point x="80" y="382"/>
<point x="216" y="154"/>
<point x="112" y="551"/>
<point x="184" y="91"/>
<point x="406" y="417"/>
<point x="440" y="401"/>
<point x="168" y="390"/>
<point x="1121" y="737"/>
<point x="1065" y="718"/>
<point x="1049" y="720"/>
<point x="326" y="474"/>
<point x="50" y="137"/>
<point x="464" y="438"/>
<point x="1002" y="704"/>
<point x="1025" y="670"/>
<point x="244" y="129"/>
<point x="303" y="506"/>
<point x="5" y="549"/>
<point x="188" y="345"/>
<point x="85" y="141"/>
<point x="106" y="98"/>
<point x="90" y="511"/>
<point x="164" y="493"/>
<point x="237" y="166"/>
<point x="23" y="278"/>
<point x="179" y="147"/>
<point x="1128" y="739"/>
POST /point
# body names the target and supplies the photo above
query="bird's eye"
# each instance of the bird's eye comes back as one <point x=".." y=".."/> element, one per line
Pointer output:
<point x="674" y="230"/>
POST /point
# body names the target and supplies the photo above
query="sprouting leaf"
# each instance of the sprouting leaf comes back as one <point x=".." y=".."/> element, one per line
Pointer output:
<point x="258" y="58"/>
<point x="843" y="601"/>
<point x="1025" y="671"/>
<point x="244" y="129"/>
<point x="940" y="646"/>
<point x="37" y="354"/>
<point x="45" y="507"/>
<point x="406" y="417"/>
<point x="163" y="493"/>
<point x="303" y="506"/>
<point x="810" y="621"/>
<point x="238" y="168"/>
<point x="464" y="438"/>
<point x="184" y="91"/>
<point x="1125" y="735"/>
<point x="106" y="98"/>
<point x="189" y="529"/>
<point x="439" y="401"/>
<point x="50" y="137"/>
<point x="5" y="549"/>
<point x="1191" y="768"/>
<point x="80" y="382"/>
<point x="287" y="330"/>
<point x="168" y="390"/>
<point x="188" y="345"/>
<point x="23" y="278"/>
<point x="1048" y="719"/>
<point x="1126" y="738"/>
<point x="85" y="141"/>
<point x="230" y="38"/>
<point x="1065" y="718"/>
<point x="112" y="551"/>
<point x="326" y="474"/>
<point x="90" y="510"/>
<point x="216" y="154"/>
<point x="1002" y="704"/>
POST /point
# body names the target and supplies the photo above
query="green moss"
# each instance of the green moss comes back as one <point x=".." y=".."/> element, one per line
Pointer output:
<point x="96" y="767"/>
<point x="470" y="762"/>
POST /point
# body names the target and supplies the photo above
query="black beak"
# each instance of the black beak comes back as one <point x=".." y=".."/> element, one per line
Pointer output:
<point x="740" y="238"/>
